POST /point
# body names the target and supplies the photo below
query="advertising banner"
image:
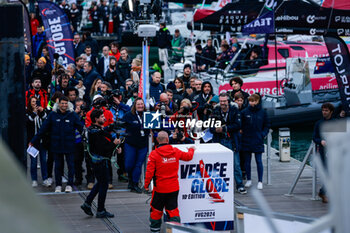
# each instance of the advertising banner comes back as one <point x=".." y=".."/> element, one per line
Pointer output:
<point x="206" y="193"/>
<point x="59" y="36"/>
<point x="339" y="54"/>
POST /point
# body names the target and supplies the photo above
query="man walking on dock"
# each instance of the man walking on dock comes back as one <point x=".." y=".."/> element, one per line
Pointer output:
<point x="327" y="113"/>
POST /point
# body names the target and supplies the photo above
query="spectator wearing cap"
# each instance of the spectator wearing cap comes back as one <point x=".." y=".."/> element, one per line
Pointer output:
<point x="200" y="64"/>
<point x="61" y="126"/>
<point x="28" y="70"/>
<point x="42" y="73"/>
<point x="236" y="83"/>
<point x="164" y="43"/>
<point x="178" y="44"/>
<point x="99" y="103"/>
<point x="103" y="63"/>
<point x="187" y="75"/>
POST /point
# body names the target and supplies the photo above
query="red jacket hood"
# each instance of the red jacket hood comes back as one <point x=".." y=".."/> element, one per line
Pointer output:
<point x="165" y="151"/>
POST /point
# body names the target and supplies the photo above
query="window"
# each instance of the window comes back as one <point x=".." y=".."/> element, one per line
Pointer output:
<point x="284" y="52"/>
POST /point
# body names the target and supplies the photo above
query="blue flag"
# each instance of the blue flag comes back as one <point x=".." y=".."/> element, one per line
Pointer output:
<point x="261" y="25"/>
<point x="59" y="36"/>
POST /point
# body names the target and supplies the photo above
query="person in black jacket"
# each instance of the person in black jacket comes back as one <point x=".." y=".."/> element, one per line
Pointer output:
<point x="101" y="147"/>
<point x="90" y="76"/>
<point x="164" y="43"/>
<point x="35" y="115"/>
<point x="203" y="98"/>
<point x="227" y="134"/>
<point x="116" y="11"/>
<point x="136" y="143"/>
<point x="103" y="62"/>
<point x="79" y="47"/>
<point x="327" y="113"/>
<point x="124" y="65"/>
<point x="95" y="15"/>
<point x="104" y="14"/>
<point x="209" y="53"/>
<point x="156" y="88"/>
<point x="255" y="127"/>
<point x="61" y="125"/>
<point x="236" y="83"/>
<point x="89" y="41"/>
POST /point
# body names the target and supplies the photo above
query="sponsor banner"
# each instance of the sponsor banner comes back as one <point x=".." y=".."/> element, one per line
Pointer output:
<point x="263" y="24"/>
<point x="59" y="36"/>
<point x="323" y="65"/>
<point x="269" y="87"/>
<point x="27" y="28"/>
<point x="340" y="57"/>
<point x="207" y="185"/>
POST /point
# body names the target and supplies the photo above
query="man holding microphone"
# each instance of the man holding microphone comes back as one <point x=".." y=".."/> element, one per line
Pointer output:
<point x="162" y="167"/>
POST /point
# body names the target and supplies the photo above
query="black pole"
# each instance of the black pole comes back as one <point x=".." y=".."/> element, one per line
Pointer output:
<point x="12" y="101"/>
<point x="276" y="64"/>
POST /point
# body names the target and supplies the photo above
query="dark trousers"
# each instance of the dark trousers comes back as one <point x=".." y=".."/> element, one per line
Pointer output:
<point x="102" y="175"/>
<point x="78" y="162"/>
<point x="158" y="203"/>
<point x="105" y="25"/>
<point x="90" y="178"/>
<point x="49" y="163"/>
<point x="96" y="25"/>
<point x="121" y="163"/>
<point x="259" y="164"/>
<point x="59" y="163"/>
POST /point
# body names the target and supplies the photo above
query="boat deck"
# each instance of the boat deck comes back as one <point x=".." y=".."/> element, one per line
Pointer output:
<point x="132" y="210"/>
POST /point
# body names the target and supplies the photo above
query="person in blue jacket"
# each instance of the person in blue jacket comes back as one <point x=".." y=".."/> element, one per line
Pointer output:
<point x="61" y="125"/>
<point x="255" y="127"/>
<point x="155" y="87"/>
<point x="136" y="143"/>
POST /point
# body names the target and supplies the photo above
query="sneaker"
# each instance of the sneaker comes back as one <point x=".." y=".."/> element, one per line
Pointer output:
<point x="242" y="190"/>
<point x="135" y="188"/>
<point x="248" y="184"/>
<point x="104" y="214"/>
<point x="68" y="189"/>
<point x="87" y="209"/>
<point x="260" y="185"/>
<point x="58" y="189"/>
<point x="64" y="180"/>
<point x="90" y="186"/>
<point x="110" y="186"/>
<point x="323" y="197"/>
<point x="46" y="183"/>
<point x="49" y="181"/>
<point x="123" y="179"/>
<point x="34" y="183"/>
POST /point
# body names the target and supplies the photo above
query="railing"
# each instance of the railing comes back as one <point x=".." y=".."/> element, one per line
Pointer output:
<point x="310" y="152"/>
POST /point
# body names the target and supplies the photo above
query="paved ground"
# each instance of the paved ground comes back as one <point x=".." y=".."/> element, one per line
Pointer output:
<point x="132" y="210"/>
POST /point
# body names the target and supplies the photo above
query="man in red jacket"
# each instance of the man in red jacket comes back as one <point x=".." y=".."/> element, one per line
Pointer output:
<point x="163" y="166"/>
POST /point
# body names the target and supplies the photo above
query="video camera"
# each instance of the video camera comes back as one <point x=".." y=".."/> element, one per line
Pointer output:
<point x="131" y="90"/>
<point x="110" y="94"/>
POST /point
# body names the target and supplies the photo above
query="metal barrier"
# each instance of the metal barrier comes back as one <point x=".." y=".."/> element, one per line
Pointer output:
<point x="310" y="152"/>
<point x="240" y="212"/>
<point x="178" y="227"/>
<point x="268" y="156"/>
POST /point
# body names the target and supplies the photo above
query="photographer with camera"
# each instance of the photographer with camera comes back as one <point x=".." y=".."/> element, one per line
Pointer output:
<point x="184" y="113"/>
<point x="178" y="137"/>
<point x="164" y="106"/>
<point x="130" y="92"/>
<point x="101" y="147"/>
<point x="227" y="134"/>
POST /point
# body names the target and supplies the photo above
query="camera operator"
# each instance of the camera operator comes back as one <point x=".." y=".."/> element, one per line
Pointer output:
<point x="227" y="134"/>
<point x="99" y="103"/>
<point x="130" y="92"/>
<point x="184" y="113"/>
<point x="178" y="137"/>
<point x="117" y="107"/>
<point x="164" y="106"/>
<point x="101" y="149"/>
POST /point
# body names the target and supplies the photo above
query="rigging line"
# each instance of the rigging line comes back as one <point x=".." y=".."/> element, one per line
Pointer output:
<point x="330" y="17"/>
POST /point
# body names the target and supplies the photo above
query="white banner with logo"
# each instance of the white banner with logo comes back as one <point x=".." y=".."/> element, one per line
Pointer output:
<point x="206" y="185"/>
